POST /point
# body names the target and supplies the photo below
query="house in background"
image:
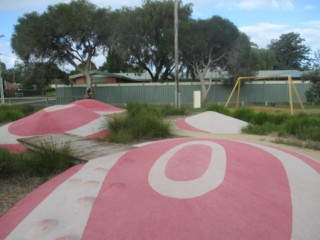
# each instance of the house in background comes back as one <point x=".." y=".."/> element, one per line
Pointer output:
<point x="104" y="77"/>
<point x="274" y="74"/>
<point x="12" y="89"/>
<point x="11" y="85"/>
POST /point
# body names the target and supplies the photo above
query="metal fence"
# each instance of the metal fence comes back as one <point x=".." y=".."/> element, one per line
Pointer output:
<point x="40" y="101"/>
<point x="164" y="93"/>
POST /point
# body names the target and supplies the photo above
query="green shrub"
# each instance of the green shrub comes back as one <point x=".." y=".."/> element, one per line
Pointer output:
<point x="12" y="113"/>
<point x="11" y="163"/>
<point x="280" y="118"/>
<point x="3" y="116"/>
<point x="41" y="163"/>
<point x="25" y="108"/>
<point x="303" y="120"/>
<point x="302" y="126"/>
<point x="121" y="136"/>
<point x="261" y="118"/>
<point x="141" y="123"/>
<point x="134" y="109"/>
<point x="308" y="133"/>
<point x="244" y="113"/>
<point x="263" y="129"/>
<point x="218" y="108"/>
<point x="49" y="159"/>
<point x="158" y="110"/>
<point x="169" y="110"/>
<point x="116" y="124"/>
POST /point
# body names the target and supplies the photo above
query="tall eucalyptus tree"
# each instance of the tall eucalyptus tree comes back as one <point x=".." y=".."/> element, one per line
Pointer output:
<point x="71" y="33"/>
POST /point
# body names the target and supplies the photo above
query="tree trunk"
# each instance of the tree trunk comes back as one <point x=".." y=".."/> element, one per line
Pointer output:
<point x="201" y="70"/>
<point x="89" y="89"/>
<point x="205" y="88"/>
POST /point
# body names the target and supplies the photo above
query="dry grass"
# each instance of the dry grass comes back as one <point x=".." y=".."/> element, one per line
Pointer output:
<point x="296" y="109"/>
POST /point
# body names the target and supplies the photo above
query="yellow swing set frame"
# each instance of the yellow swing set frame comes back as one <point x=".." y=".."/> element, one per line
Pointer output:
<point x="291" y="87"/>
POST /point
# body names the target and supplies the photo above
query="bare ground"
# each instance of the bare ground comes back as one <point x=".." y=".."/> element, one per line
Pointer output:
<point x="15" y="188"/>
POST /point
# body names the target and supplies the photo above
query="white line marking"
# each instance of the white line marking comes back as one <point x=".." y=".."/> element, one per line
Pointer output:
<point x="211" y="178"/>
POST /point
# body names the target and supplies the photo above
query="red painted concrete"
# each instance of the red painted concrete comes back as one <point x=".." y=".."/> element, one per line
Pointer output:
<point x="181" y="123"/>
<point x="58" y="121"/>
<point x="83" y="118"/>
<point x="95" y="105"/>
<point x="99" y="135"/>
<point x="253" y="200"/>
<point x="245" y="206"/>
<point x="14" y="147"/>
<point x="311" y="162"/>
<point x="189" y="163"/>
<point x="16" y="214"/>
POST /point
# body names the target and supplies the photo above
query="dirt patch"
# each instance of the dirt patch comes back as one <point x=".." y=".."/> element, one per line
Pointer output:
<point x="285" y="110"/>
<point x="15" y="188"/>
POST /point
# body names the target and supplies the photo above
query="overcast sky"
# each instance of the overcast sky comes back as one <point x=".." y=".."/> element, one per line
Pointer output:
<point x="261" y="20"/>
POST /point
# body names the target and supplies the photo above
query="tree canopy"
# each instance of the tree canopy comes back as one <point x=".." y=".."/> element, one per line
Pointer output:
<point x="65" y="33"/>
<point x="313" y="75"/>
<point x="141" y="39"/>
<point x="35" y="74"/>
<point x="290" y="51"/>
<point x="263" y="59"/>
<point x="145" y="36"/>
<point x="211" y="44"/>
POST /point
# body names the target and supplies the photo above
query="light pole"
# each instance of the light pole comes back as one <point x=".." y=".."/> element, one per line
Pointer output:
<point x="176" y="54"/>
<point x="1" y="82"/>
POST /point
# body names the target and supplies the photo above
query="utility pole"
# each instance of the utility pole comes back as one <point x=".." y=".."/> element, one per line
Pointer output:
<point x="1" y="85"/>
<point x="1" y="82"/>
<point x="176" y="54"/>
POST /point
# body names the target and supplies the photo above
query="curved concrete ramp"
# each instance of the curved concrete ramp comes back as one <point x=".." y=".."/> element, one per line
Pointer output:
<point x="211" y="122"/>
<point x="177" y="189"/>
<point x="85" y="118"/>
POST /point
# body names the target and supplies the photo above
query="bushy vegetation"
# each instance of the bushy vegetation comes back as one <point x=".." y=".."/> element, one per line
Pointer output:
<point x="142" y="122"/>
<point x="244" y="113"/>
<point x="169" y="110"/>
<point x="218" y="108"/>
<point x="297" y="143"/>
<point x="159" y="110"/>
<point x="12" y="113"/>
<point x="302" y="126"/>
<point x="41" y="163"/>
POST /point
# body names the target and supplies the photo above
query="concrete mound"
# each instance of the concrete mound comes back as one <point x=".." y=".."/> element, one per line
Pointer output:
<point x="97" y="106"/>
<point x="212" y="122"/>
<point x="56" y="119"/>
<point x="190" y="188"/>
<point x="86" y="118"/>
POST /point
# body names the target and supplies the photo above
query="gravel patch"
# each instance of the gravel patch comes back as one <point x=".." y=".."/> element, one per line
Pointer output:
<point x="15" y="188"/>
